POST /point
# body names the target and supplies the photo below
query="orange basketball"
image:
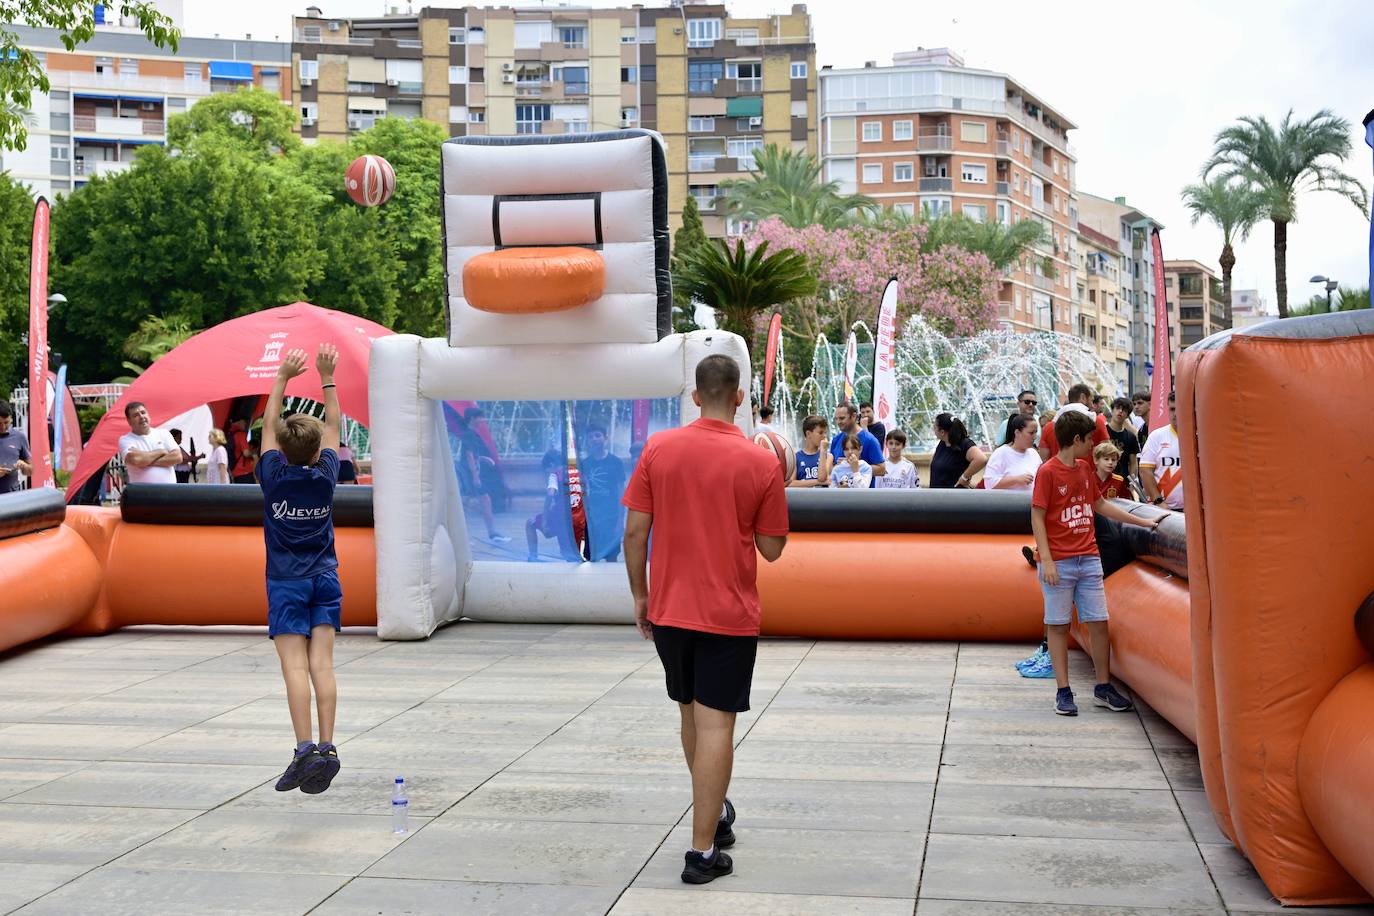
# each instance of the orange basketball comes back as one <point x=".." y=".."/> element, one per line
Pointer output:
<point x="782" y="450"/>
<point x="370" y="180"/>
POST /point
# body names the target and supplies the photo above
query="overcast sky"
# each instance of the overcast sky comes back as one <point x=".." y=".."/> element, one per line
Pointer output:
<point x="1148" y="84"/>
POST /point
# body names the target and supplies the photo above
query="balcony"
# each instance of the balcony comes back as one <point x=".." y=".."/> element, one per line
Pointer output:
<point x="701" y="163"/>
<point x="531" y="89"/>
<point x="1042" y="169"/>
<point x="68" y="79"/>
<point x="409" y="43"/>
<point x="410" y="88"/>
<point x="1038" y="204"/>
<point x="117" y="127"/>
<point x="749" y="84"/>
<point x="1003" y="188"/>
<point x="1003" y="145"/>
<point x="933" y="141"/>
<point x="937" y="184"/>
<point x="92" y="167"/>
<point x="1045" y="283"/>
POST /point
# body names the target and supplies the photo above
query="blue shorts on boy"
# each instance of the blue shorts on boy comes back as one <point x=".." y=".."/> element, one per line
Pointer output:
<point x="1067" y="494"/>
<point x="1080" y="584"/>
<point x="298" y="527"/>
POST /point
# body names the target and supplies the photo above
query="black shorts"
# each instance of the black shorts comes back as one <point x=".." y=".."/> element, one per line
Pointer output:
<point x="712" y="669"/>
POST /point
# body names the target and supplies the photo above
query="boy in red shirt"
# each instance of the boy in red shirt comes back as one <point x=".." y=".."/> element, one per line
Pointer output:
<point x="1063" y="502"/>
<point x="1110" y="484"/>
<point x="700" y="603"/>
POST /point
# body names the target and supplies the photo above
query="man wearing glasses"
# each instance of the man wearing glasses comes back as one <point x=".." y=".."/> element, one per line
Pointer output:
<point x="1026" y="403"/>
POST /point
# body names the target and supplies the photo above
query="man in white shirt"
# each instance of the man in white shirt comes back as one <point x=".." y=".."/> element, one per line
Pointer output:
<point x="148" y="454"/>
<point x="1161" y="464"/>
<point x="765" y="421"/>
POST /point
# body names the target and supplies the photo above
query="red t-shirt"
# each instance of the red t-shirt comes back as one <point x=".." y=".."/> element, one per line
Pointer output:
<point x="1067" y="495"/>
<point x="709" y="490"/>
<point x="1048" y="441"/>
<point x="1114" y="487"/>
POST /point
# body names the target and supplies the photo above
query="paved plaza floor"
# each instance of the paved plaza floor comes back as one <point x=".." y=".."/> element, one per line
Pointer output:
<point x="137" y="771"/>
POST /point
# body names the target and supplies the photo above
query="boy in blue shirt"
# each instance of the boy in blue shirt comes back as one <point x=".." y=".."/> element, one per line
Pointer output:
<point x="298" y="471"/>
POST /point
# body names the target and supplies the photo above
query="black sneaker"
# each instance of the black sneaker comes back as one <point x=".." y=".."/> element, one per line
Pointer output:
<point x="1107" y="695"/>
<point x="725" y="837"/>
<point x="701" y="870"/>
<point x="1063" y="702"/>
<point x="1029" y="554"/>
<point x="320" y="778"/>
<point x="304" y="763"/>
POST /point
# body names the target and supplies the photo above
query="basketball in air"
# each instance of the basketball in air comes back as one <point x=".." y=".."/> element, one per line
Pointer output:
<point x="782" y="450"/>
<point x="370" y="181"/>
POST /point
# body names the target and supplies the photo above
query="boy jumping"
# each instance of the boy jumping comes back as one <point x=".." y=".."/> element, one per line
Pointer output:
<point x="1063" y="502"/>
<point x="297" y="472"/>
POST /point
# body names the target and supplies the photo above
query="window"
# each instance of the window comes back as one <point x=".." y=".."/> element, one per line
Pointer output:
<point x="798" y="108"/>
<point x="1015" y="138"/>
<point x="873" y="172"/>
<point x="629" y="115"/>
<point x="976" y="212"/>
<point x="703" y="74"/>
<point x="841" y="171"/>
<point x="457" y="36"/>
<point x="743" y="37"/>
<point x="798" y="69"/>
<point x="271" y="82"/>
<point x="310" y="33"/>
<point x="477" y="36"/>
<point x="362" y="88"/>
<point x="457" y="76"/>
<point x="629" y="74"/>
<point x="648" y="74"/>
<point x="648" y="34"/>
<point x="128" y="66"/>
<point x="973" y="132"/>
<point x="1016" y="181"/>
<point x="1027" y="145"/>
<point x="901" y="171"/>
<point x="901" y="130"/>
<point x="310" y="70"/>
<point x="873" y="131"/>
<point x="936" y="206"/>
<point x="904" y="209"/>
<point x="477" y="115"/>
<point x="701" y="125"/>
<point x="60" y="152"/>
<point x="748" y="76"/>
<point x="457" y="114"/>
<point x="702" y="33"/>
<point x="529" y="119"/>
<point x="974" y="172"/>
<point x="705" y="196"/>
<point x="575" y="79"/>
<point x="743" y="149"/>
<point x="574" y="36"/>
<point x="310" y="111"/>
<point x="1004" y="213"/>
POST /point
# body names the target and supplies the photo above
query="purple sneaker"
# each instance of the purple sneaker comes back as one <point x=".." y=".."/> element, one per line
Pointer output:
<point x="321" y="776"/>
<point x="305" y="761"/>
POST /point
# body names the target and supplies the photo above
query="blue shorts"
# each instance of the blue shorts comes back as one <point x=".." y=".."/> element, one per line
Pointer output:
<point x="300" y="605"/>
<point x="1080" y="583"/>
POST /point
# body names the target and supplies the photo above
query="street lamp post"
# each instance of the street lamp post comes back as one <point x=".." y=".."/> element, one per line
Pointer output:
<point x="1330" y="287"/>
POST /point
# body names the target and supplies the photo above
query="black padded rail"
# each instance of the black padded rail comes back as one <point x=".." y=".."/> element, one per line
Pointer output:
<point x="28" y="511"/>
<point x="228" y="504"/>
<point x="909" y="511"/>
<point x="1165" y="546"/>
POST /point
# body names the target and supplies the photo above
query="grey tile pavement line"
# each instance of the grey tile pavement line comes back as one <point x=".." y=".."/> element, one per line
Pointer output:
<point x="935" y="788"/>
<point x="650" y="857"/>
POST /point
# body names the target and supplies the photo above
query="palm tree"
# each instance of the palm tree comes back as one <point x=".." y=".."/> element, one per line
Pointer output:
<point x="787" y="184"/>
<point x="1003" y="245"/>
<point x="739" y="284"/>
<point x="1235" y="208"/>
<point x="1281" y="162"/>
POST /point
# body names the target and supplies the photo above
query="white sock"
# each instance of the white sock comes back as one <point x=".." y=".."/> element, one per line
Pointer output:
<point x="708" y="853"/>
<point x="724" y="812"/>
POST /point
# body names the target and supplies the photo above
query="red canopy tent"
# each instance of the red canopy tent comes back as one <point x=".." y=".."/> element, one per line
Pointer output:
<point x="240" y="357"/>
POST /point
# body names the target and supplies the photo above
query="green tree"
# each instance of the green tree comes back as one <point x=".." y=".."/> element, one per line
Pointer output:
<point x="253" y="121"/>
<point x="155" y="338"/>
<point x="787" y="184"/>
<point x="1346" y="299"/>
<point x="1002" y="245"/>
<point x="690" y="236"/>
<point x="740" y="285"/>
<point x="1279" y="163"/>
<point x="20" y="71"/>
<point x="1235" y="209"/>
<point x="16" y="242"/>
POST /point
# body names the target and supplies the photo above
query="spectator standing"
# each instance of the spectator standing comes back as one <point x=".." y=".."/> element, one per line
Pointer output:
<point x="1122" y="432"/>
<point x="699" y="603"/>
<point x="870" y="449"/>
<point x="1026" y="402"/>
<point x="901" y="473"/>
<point x="1080" y="398"/>
<point x="1106" y="459"/>
<point x="869" y="422"/>
<point x="148" y="454"/>
<point x="1099" y="405"/>
<point x="470" y="486"/>
<point x="1013" y="464"/>
<point x="851" y="472"/>
<point x="183" y="468"/>
<point x="244" y="456"/>
<point x="1161" y="464"/>
<point x="348" y="469"/>
<point x="603" y="482"/>
<point x="1140" y="418"/>
<point x="765" y="424"/>
<point x="813" y="458"/>
<point x="15" y="456"/>
<point x="957" y="458"/>
<point x="217" y="468"/>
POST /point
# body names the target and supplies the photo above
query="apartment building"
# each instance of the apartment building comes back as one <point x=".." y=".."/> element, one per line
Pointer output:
<point x="1101" y="316"/>
<point x="717" y="88"/>
<point x="1131" y="228"/>
<point x="114" y="94"/>
<point x="1248" y="307"/>
<point x="930" y="135"/>
<point x="1196" y="304"/>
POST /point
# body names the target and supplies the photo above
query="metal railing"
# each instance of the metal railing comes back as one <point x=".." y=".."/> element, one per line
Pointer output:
<point x="937" y="184"/>
<point x="90" y="167"/>
<point x="119" y="127"/>
<point x="70" y="79"/>
<point x="701" y="163"/>
<point x="1045" y="283"/>
<point x="928" y="140"/>
<point x="1042" y="169"/>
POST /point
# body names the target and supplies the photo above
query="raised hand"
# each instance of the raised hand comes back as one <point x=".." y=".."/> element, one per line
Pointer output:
<point x="292" y="365"/>
<point x="326" y="361"/>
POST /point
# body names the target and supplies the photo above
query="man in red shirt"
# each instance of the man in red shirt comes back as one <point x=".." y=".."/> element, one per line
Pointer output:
<point x="1079" y="400"/>
<point x="1063" y="503"/>
<point x="700" y="601"/>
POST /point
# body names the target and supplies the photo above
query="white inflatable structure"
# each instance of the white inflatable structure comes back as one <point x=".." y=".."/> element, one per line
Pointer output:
<point x="605" y="193"/>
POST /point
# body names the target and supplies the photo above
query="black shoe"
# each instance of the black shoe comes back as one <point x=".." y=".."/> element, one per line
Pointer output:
<point x="304" y="764"/>
<point x="1029" y="554"/>
<point x="320" y="778"/>
<point x="701" y="870"/>
<point x="725" y="837"/>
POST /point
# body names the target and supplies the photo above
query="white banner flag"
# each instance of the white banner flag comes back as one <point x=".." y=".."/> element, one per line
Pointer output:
<point x="851" y="363"/>
<point x="885" y="360"/>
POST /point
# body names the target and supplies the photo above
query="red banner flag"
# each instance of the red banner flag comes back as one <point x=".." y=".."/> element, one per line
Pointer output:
<point x="1162" y="382"/>
<point x="38" y="350"/>
<point x="770" y="359"/>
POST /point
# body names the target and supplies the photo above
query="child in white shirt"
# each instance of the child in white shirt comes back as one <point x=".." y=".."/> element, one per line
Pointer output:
<point x="852" y="473"/>
<point x="901" y="473"/>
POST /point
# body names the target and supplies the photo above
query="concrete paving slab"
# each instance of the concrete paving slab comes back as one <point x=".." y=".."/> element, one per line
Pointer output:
<point x="385" y="896"/>
<point x="660" y="757"/>
<point x="273" y="842"/>
<point x="791" y="861"/>
<point x="851" y="805"/>
<point x="1197" y="811"/>
<point x="921" y="696"/>
<point x="1117" y="768"/>
<point x="368" y="791"/>
<point x="198" y="744"/>
<point x="21" y="774"/>
<point x="996" y="810"/>
<point x="1243" y="891"/>
<point x="121" y="891"/>
<point x="927" y="906"/>
<point x="273" y="715"/>
<point x="80" y="742"/>
<point x="1040" y="727"/>
<point x="863" y="725"/>
<point x="25" y="882"/>
<point x="1128" y="873"/>
<point x="687" y="901"/>
<point x="404" y="751"/>
<point x="799" y="758"/>
<point x="580" y="798"/>
<point x="506" y="720"/>
<point x="198" y="787"/>
<point x="1181" y="766"/>
<point x="473" y="849"/>
<point x="154" y="710"/>
<point x="70" y="835"/>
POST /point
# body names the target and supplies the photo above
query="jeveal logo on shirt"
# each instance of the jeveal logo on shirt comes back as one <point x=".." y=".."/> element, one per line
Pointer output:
<point x="283" y="510"/>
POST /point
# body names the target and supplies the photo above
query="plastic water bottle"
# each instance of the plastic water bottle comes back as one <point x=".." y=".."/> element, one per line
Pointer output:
<point x="400" y="807"/>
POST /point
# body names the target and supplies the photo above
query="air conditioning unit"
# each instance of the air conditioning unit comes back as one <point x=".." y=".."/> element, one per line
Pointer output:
<point x="355" y="123"/>
<point x="393" y="82"/>
<point x="334" y="26"/>
<point x="756" y="122"/>
<point x="507" y="77"/>
<point x="307" y="81"/>
<point x="307" y="122"/>
<point x="508" y="67"/>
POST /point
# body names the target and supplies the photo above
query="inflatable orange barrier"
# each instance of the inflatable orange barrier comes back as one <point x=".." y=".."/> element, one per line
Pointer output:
<point x="517" y="281"/>
<point x="1281" y="549"/>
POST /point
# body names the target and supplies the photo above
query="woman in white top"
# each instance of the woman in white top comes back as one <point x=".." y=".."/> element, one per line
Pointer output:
<point x="217" y="470"/>
<point x="1013" y="464"/>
